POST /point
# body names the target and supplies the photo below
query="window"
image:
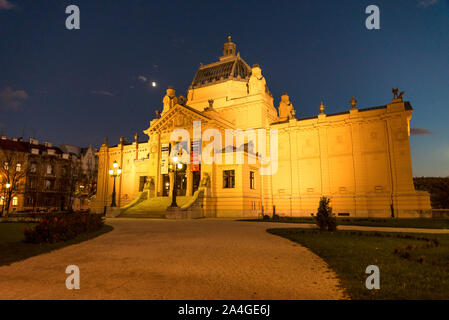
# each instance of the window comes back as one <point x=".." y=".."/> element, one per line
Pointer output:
<point x="32" y="183"/>
<point x="33" y="167"/>
<point x="15" y="201"/>
<point x="18" y="167"/>
<point x="6" y="166"/>
<point x="48" y="185"/>
<point x="252" y="184"/>
<point x="228" y="179"/>
<point x="49" y="169"/>
<point x="2" y="200"/>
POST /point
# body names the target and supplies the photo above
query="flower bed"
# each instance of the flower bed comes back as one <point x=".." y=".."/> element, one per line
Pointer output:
<point x="62" y="227"/>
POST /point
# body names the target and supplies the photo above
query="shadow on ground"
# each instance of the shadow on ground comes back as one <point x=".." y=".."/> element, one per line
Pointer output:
<point x="13" y="247"/>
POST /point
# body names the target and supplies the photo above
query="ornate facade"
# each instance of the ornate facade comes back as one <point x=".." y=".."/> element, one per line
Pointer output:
<point x="360" y="158"/>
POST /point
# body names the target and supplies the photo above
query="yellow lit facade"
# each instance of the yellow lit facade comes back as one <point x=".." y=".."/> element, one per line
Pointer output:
<point x="360" y="158"/>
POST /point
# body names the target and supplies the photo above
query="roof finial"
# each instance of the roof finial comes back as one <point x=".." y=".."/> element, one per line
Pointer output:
<point x="353" y="103"/>
<point x="322" y="107"/>
<point x="229" y="48"/>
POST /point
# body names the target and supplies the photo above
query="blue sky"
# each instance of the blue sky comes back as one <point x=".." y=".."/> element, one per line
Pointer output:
<point x="79" y="86"/>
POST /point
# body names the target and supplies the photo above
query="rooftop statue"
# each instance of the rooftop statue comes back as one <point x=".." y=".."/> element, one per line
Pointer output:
<point x="257" y="82"/>
<point x="286" y="110"/>
<point x="399" y="96"/>
<point x="169" y="100"/>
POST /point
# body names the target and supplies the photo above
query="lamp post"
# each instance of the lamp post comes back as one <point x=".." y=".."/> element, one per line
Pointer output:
<point x="8" y="186"/>
<point x="177" y="165"/>
<point x="4" y="200"/>
<point x="114" y="172"/>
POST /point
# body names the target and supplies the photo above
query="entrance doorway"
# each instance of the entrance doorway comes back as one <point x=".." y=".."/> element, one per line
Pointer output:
<point x="196" y="181"/>
<point x="181" y="183"/>
<point x="165" y="185"/>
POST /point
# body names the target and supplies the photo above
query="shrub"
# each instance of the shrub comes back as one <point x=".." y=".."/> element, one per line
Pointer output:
<point x="324" y="218"/>
<point x="266" y="217"/>
<point x="63" y="227"/>
<point x="275" y="217"/>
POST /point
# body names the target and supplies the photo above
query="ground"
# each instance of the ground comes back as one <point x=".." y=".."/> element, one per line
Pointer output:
<point x="412" y="265"/>
<point x="421" y="223"/>
<point x="166" y="259"/>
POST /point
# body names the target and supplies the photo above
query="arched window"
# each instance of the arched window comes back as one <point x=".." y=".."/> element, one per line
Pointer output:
<point x="49" y="169"/>
<point x="18" y="167"/>
<point x="6" y="165"/>
<point x="15" y="201"/>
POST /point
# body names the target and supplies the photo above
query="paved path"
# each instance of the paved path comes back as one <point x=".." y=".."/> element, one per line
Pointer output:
<point x="366" y="228"/>
<point x="163" y="259"/>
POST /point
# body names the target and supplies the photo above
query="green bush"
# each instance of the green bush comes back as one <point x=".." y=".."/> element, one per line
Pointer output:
<point x="63" y="227"/>
<point x="324" y="218"/>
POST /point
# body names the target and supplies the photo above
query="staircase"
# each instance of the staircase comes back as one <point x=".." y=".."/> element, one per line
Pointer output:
<point x="155" y="207"/>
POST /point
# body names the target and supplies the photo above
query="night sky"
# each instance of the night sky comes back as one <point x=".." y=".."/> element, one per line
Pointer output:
<point x="79" y="86"/>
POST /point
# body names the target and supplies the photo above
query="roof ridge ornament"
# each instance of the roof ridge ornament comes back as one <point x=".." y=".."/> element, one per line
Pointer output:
<point x="353" y="103"/>
<point x="229" y="48"/>
<point x="322" y="107"/>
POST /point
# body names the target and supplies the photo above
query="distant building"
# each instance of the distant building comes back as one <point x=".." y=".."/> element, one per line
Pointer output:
<point x="86" y="186"/>
<point x="38" y="176"/>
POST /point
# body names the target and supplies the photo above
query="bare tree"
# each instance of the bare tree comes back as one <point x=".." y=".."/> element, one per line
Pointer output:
<point x="76" y="179"/>
<point x="13" y="166"/>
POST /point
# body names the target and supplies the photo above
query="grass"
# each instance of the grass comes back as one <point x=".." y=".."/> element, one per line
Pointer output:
<point x="427" y="223"/>
<point x="13" y="248"/>
<point x="418" y="270"/>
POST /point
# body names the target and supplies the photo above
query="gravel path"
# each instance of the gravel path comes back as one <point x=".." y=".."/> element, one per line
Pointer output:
<point x="365" y="228"/>
<point x="189" y="259"/>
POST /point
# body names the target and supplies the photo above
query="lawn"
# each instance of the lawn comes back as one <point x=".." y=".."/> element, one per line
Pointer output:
<point x="427" y="223"/>
<point x="419" y="269"/>
<point x="13" y="248"/>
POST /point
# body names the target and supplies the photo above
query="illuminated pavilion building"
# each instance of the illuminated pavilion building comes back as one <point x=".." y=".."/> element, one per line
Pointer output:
<point x="359" y="158"/>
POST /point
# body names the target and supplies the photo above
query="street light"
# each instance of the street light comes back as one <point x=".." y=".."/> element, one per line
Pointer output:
<point x="6" y="196"/>
<point x="114" y="172"/>
<point x="3" y="200"/>
<point x="177" y="165"/>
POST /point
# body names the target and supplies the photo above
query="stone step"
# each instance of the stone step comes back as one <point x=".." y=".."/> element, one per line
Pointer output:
<point x="151" y="215"/>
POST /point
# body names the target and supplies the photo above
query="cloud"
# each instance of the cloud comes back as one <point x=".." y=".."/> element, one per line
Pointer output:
<point x="427" y="3"/>
<point x="419" y="131"/>
<point x="142" y="78"/>
<point x="11" y="99"/>
<point x="102" y="93"/>
<point x="6" y="5"/>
